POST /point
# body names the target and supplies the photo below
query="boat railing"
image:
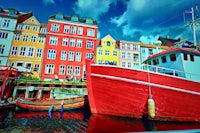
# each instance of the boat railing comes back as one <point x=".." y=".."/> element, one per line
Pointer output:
<point x="173" y="72"/>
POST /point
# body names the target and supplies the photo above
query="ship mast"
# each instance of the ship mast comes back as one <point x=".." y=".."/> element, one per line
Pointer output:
<point x="192" y="22"/>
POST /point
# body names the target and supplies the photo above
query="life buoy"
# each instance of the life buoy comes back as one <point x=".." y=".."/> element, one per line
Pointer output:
<point x="151" y="108"/>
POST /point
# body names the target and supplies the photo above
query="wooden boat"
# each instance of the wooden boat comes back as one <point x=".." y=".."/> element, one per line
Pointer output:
<point x="7" y="105"/>
<point x="166" y="88"/>
<point x="45" y="104"/>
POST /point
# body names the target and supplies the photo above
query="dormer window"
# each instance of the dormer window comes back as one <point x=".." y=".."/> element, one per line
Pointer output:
<point x="74" y="18"/>
<point x="12" y="12"/>
<point x="89" y="21"/>
<point x="59" y="16"/>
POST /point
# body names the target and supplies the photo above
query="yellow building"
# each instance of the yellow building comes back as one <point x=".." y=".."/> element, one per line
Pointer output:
<point x="28" y="45"/>
<point x="108" y="51"/>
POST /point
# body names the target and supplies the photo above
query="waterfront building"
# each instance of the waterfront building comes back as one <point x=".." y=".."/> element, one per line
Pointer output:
<point x="129" y="54"/>
<point x="8" y="20"/>
<point x="70" y="40"/>
<point x="28" y="45"/>
<point x="108" y="51"/>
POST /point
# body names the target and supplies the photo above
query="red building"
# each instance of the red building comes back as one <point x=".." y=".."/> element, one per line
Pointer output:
<point x="69" y="41"/>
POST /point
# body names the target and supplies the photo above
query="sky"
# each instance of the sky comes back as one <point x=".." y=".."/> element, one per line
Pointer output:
<point x="129" y="20"/>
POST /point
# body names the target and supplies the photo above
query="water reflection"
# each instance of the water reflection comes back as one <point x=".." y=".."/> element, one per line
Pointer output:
<point x="81" y="121"/>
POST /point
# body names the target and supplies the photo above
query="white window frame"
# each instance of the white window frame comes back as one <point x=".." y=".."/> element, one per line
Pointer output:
<point x="53" y="40"/>
<point x="39" y="52"/>
<point x="70" y="56"/>
<point x="51" y="54"/>
<point x="65" y="41"/>
<point x="22" y="52"/>
<point x="30" y="52"/>
<point x="49" y="69"/>
<point x="69" y="70"/>
<point x="78" y="56"/>
<point x="80" y="30"/>
<point x="55" y="27"/>
<point x="79" y="43"/>
<point x="63" y="55"/>
<point x="62" y="69"/>
<point x="14" y="50"/>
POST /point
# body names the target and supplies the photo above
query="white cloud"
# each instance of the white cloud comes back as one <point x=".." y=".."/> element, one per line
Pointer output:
<point x="48" y="2"/>
<point x="150" y="39"/>
<point x="150" y="18"/>
<point x="92" y="8"/>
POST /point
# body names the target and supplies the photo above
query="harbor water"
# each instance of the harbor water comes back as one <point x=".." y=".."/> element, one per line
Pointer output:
<point x="82" y="121"/>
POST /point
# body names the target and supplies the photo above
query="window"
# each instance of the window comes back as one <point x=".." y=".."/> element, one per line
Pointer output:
<point x="173" y="57"/>
<point x="53" y="40"/>
<point x="66" y="29"/>
<point x="191" y="57"/>
<point x="20" y="64"/>
<point x="27" y="27"/>
<point x="6" y="23"/>
<point x="2" y="48"/>
<point x="22" y="51"/>
<point x="114" y="53"/>
<point x="33" y="38"/>
<point x="89" y="55"/>
<point x="55" y="27"/>
<point x="163" y="58"/>
<point x="129" y="64"/>
<point x="63" y="55"/>
<point x="107" y="52"/>
<point x="72" y="42"/>
<point x="78" y="56"/>
<point x="90" y="32"/>
<point x="43" y="30"/>
<point x="17" y="37"/>
<point x="14" y="50"/>
<point x="36" y="67"/>
<point x="62" y="69"/>
<point x="25" y="38"/>
<point x="77" y="70"/>
<point x="79" y="43"/>
<point x="65" y="42"/>
<point x="30" y="51"/>
<point x="143" y="50"/>
<point x="108" y="43"/>
<point x="69" y="70"/>
<point x="39" y="52"/>
<point x="35" y="28"/>
<point x="135" y="48"/>
<point x="99" y="61"/>
<point x="19" y="26"/>
<point x="73" y="30"/>
<point x="51" y="54"/>
<point x="49" y="69"/>
<point x="128" y="55"/>
<point x="28" y="66"/>
<point x="185" y="56"/>
<point x="123" y="64"/>
<point x="3" y="35"/>
<point x="123" y="55"/>
<point x="107" y="62"/>
<point x="155" y="61"/>
<point x="123" y="46"/>
<point x="150" y="51"/>
<point x="41" y="39"/>
<point x="80" y="30"/>
<point x="100" y="52"/>
<point x="136" y="57"/>
<point x="71" y="56"/>
<point x="90" y="44"/>
<point x="128" y="47"/>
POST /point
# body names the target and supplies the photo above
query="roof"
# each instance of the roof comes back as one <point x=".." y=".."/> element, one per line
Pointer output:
<point x="73" y="18"/>
<point x="173" y="50"/>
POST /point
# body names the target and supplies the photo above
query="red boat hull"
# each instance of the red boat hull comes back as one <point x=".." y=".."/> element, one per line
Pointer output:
<point x="124" y="92"/>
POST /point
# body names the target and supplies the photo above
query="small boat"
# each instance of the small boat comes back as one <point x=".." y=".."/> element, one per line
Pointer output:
<point x="46" y="104"/>
<point x="7" y="105"/>
<point x="166" y="87"/>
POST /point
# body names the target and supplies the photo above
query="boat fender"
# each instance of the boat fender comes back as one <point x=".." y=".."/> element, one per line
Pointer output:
<point x="62" y="102"/>
<point x="151" y="108"/>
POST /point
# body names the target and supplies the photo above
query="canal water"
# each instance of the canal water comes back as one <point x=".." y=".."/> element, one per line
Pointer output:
<point x="81" y="121"/>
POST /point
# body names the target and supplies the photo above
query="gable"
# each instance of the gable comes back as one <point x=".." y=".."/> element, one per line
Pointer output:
<point x="108" y="37"/>
<point x="31" y="21"/>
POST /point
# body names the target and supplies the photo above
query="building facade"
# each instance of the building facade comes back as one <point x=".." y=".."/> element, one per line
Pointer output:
<point x="108" y="51"/>
<point x="130" y="54"/>
<point x="8" y="20"/>
<point x="70" y="40"/>
<point x="28" y="45"/>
